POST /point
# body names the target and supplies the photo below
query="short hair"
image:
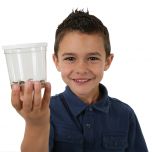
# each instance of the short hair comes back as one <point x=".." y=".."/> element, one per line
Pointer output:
<point x="85" y="23"/>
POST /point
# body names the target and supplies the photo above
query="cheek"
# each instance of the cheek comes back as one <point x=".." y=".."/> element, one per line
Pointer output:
<point x="98" y="68"/>
<point x="98" y="71"/>
<point x="65" y="71"/>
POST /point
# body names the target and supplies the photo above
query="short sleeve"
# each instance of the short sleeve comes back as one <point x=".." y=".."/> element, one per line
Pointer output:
<point x="135" y="138"/>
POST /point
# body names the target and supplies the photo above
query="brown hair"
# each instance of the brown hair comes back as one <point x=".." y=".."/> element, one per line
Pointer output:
<point x="83" y="22"/>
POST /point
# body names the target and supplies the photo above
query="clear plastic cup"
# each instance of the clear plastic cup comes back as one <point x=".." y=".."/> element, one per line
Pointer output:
<point x="26" y="62"/>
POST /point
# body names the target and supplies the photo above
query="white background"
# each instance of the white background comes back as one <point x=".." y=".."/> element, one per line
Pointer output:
<point x="129" y="78"/>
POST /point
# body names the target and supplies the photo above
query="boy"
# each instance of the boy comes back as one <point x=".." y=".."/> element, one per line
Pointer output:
<point x="83" y="118"/>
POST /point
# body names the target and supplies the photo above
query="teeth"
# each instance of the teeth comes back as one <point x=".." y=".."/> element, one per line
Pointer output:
<point x="81" y="81"/>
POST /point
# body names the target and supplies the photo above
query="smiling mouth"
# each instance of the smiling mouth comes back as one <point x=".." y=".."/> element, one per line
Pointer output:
<point x="81" y="81"/>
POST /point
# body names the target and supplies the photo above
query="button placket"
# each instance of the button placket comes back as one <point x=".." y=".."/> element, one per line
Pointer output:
<point x="88" y="125"/>
<point x="90" y="109"/>
<point x="88" y="128"/>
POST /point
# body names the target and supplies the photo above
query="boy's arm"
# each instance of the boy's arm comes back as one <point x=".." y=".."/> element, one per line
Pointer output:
<point x="136" y="139"/>
<point x="36" y="113"/>
<point x="36" y="139"/>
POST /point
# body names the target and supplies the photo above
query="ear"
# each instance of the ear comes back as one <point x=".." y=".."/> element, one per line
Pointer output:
<point x="108" y="62"/>
<point x="56" y="62"/>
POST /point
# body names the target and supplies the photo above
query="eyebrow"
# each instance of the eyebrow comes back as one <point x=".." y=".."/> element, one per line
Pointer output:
<point x="73" y="54"/>
<point x="94" y="53"/>
<point x="68" y="54"/>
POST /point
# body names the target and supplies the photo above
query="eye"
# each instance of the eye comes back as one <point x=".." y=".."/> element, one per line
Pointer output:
<point x="93" y="58"/>
<point x="69" y="59"/>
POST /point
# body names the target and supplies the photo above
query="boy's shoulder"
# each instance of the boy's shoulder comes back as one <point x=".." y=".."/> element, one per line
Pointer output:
<point x="114" y="104"/>
<point x="118" y="105"/>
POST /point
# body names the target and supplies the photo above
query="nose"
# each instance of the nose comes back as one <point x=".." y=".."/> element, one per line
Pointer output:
<point x="81" y="68"/>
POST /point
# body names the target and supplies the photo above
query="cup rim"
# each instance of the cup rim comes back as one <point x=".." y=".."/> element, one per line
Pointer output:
<point x="13" y="48"/>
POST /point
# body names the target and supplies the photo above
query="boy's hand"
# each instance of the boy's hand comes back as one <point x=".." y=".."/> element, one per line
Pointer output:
<point x="29" y="104"/>
<point x="34" y="108"/>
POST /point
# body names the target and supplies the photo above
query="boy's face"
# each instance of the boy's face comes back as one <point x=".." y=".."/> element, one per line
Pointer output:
<point x="82" y="61"/>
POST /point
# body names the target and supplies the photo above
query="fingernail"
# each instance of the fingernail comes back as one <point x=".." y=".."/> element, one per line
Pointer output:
<point x="48" y="85"/>
<point x="15" y="87"/>
<point x="29" y="82"/>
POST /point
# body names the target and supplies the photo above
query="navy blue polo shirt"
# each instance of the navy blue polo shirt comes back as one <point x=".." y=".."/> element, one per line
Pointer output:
<point x="108" y="125"/>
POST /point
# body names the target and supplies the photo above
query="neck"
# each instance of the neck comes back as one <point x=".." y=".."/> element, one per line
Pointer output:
<point x="90" y="99"/>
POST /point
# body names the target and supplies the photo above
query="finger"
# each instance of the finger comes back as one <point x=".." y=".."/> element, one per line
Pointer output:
<point x="22" y="92"/>
<point x="15" y="97"/>
<point x="28" y="96"/>
<point x="46" y="96"/>
<point x="37" y="96"/>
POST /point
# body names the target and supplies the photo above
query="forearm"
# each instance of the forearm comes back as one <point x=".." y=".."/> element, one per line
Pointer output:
<point x="36" y="139"/>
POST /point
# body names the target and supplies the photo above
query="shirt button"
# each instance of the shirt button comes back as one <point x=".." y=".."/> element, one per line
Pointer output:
<point x="88" y="125"/>
<point x="90" y="109"/>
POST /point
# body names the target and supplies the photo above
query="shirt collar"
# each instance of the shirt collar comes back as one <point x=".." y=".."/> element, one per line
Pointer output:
<point x="76" y="105"/>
